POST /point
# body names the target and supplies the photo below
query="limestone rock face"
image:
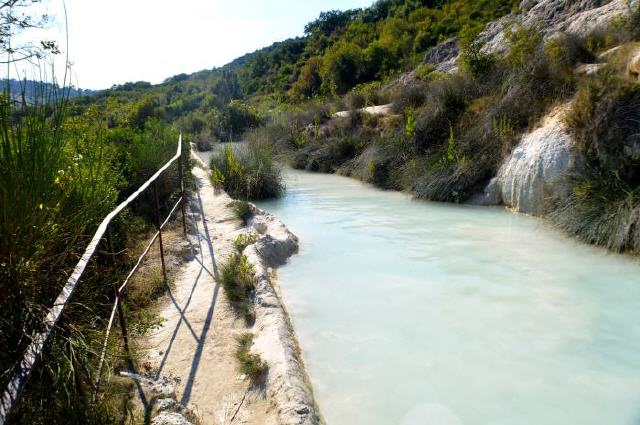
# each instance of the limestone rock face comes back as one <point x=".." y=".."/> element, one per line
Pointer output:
<point x="170" y="418"/>
<point x="287" y="382"/>
<point x="443" y="56"/>
<point x="549" y="16"/>
<point x="528" y="175"/>
<point x="633" y="69"/>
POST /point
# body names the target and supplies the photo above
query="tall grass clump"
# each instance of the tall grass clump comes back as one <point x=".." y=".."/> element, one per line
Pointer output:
<point x="62" y="170"/>
<point x="599" y="209"/>
<point x="603" y="202"/>
<point x="57" y="182"/>
<point x="248" y="172"/>
<point x="238" y="280"/>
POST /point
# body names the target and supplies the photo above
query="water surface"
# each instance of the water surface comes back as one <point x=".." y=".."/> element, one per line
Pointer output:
<point x="423" y="313"/>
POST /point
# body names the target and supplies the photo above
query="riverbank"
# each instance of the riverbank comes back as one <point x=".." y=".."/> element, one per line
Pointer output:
<point x="195" y="345"/>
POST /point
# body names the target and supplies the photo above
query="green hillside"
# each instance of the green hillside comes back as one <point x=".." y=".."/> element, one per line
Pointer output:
<point x="340" y="49"/>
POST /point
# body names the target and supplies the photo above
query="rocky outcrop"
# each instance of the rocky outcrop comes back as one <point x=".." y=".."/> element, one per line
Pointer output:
<point x="371" y="110"/>
<point x="158" y="397"/>
<point x="443" y="56"/>
<point x="588" y="68"/>
<point x="549" y="16"/>
<point x="552" y="16"/>
<point x="633" y="68"/>
<point x="528" y="175"/>
<point x="287" y="382"/>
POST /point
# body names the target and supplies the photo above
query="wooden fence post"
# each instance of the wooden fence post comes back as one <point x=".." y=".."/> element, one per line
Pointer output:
<point x="159" y="220"/>
<point x="182" y="199"/>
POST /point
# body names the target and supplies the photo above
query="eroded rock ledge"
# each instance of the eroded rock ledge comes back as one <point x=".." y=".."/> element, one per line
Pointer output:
<point x="287" y="382"/>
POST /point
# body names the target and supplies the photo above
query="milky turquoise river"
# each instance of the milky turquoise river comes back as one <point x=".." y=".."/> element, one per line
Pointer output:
<point x="412" y="312"/>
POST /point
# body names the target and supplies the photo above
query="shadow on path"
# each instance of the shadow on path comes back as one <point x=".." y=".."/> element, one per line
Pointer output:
<point x="203" y="236"/>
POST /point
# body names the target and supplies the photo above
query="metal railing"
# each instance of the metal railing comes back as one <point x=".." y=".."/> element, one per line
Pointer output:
<point x="22" y="372"/>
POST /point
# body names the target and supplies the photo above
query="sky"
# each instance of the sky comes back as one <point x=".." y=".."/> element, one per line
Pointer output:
<point x="116" y="41"/>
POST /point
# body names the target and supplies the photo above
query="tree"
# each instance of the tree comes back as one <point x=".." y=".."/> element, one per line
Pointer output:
<point x="344" y="65"/>
<point x="15" y="18"/>
<point x="241" y="117"/>
<point x="142" y="110"/>
<point x="330" y="21"/>
<point x="309" y="82"/>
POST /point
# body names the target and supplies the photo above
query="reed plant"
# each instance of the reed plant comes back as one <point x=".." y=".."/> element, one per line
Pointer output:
<point x="57" y="182"/>
<point x="249" y="173"/>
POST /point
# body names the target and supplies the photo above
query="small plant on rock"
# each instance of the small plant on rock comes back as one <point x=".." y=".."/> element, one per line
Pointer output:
<point x="250" y="364"/>
<point x="242" y="210"/>
<point x="238" y="280"/>
<point x="243" y="240"/>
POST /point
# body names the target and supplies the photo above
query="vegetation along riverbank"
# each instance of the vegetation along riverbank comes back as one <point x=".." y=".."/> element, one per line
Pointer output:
<point x="534" y="105"/>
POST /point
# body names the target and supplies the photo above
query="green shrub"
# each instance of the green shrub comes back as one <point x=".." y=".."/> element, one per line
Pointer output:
<point x="355" y="100"/>
<point x="147" y="151"/>
<point x="372" y="93"/>
<point x="309" y="82"/>
<point x="445" y="101"/>
<point x="242" y="117"/>
<point x="250" y="173"/>
<point x="472" y="58"/>
<point x="243" y="240"/>
<point x="566" y="50"/>
<point x="249" y="363"/>
<point x="523" y="44"/>
<point x="407" y="96"/>
<point x="242" y="210"/>
<point x="328" y="155"/>
<point x="237" y="277"/>
<point x="605" y="122"/>
<point x="342" y="68"/>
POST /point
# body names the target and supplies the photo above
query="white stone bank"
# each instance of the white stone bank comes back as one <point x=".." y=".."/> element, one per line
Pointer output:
<point x="528" y="175"/>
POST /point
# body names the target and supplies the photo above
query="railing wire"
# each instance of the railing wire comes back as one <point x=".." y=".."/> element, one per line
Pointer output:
<point x="23" y="371"/>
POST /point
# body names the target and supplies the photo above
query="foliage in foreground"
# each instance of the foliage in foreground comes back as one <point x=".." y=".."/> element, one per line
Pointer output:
<point x="61" y="172"/>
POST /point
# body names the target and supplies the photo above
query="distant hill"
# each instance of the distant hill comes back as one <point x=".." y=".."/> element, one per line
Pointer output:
<point x="34" y="89"/>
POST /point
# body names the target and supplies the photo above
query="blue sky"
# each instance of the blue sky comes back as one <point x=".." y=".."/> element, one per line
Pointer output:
<point x="116" y="41"/>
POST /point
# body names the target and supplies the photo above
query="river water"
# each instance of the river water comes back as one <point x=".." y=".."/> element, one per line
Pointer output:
<point x="411" y="312"/>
